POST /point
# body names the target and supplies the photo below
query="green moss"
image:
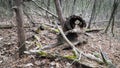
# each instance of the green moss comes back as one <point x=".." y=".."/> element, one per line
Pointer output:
<point x="38" y="44"/>
<point x="96" y="54"/>
<point x="55" y="30"/>
<point x="71" y="57"/>
<point x="43" y="53"/>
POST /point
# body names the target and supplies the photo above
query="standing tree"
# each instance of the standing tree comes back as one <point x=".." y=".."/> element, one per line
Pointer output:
<point x="112" y="17"/>
<point x="92" y="14"/>
<point x="48" y="8"/>
<point x="73" y="7"/>
<point x="20" y="32"/>
<point x="59" y="12"/>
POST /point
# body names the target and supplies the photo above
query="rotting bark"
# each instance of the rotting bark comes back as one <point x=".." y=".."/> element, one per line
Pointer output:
<point x="43" y="54"/>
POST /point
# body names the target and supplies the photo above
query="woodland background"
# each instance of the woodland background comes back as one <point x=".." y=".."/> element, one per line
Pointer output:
<point x="21" y="20"/>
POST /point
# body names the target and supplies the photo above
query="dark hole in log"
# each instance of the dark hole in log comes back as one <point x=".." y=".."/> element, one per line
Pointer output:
<point x="69" y="25"/>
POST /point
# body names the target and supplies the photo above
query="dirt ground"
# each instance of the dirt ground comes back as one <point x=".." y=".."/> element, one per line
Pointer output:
<point x="9" y="49"/>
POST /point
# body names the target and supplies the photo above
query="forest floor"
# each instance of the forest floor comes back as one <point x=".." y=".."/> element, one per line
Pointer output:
<point x="9" y="49"/>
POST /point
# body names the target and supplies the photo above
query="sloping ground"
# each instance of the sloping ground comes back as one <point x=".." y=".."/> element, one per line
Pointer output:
<point x="9" y="56"/>
<point x="108" y="45"/>
<point x="9" y="50"/>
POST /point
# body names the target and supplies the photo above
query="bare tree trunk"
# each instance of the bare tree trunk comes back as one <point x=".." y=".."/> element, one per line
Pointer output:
<point x="113" y="22"/>
<point x="112" y="17"/>
<point x="59" y="12"/>
<point x="73" y="7"/>
<point x="48" y="7"/>
<point x="92" y="14"/>
<point x="20" y="32"/>
<point x="60" y="3"/>
<point x="99" y="2"/>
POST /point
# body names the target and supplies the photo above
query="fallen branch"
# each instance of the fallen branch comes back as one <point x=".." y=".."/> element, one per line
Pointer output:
<point x="11" y="26"/>
<point x="105" y="59"/>
<point x="45" y="55"/>
<point x="93" y="30"/>
<point x="85" y="31"/>
<point x="77" y="51"/>
<point x="107" y="21"/>
<point x="72" y="45"/>
<point x="6" y="26"/>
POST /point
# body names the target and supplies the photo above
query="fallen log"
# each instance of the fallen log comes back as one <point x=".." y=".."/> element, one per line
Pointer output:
<point x="6" y="26"/>
<point x="72" y="59"/>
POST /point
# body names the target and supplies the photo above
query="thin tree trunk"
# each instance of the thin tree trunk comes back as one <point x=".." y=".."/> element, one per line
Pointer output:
<point x="48" y="7"/>
<point x="92" y="14"/>
<point x="108" y="23"/>
<point x="112" y="17"/>
<point x="59" y="12"/>
<point x="73" y="7"/>
<point x="113" y="22"/>
<point x="99" y="2"/>
<point x="61" y="3"/>
<point x="20" y="32"/>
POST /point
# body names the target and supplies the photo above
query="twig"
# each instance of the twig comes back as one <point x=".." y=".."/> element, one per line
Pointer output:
<point x="29" y="18"/>
<point x="44" y="9"/>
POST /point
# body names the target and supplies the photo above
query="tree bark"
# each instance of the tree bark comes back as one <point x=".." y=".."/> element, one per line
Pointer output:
<point x="20" y="30"/>
<point x="112" y="17"/>
<point x="73" y="7"/>
<point x="48" y="8"/>
<point x="92" y="14"/>
<point x="59" y="12"/>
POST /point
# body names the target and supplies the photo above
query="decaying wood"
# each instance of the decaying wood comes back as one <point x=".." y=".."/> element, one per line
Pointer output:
<point x="100" y="21"/>
<point x="69" y="31"/>
<point x="76" y="50"/>
<point x="43" y="54"/>
<point x="70" y="43"/>
<point x="12" y="26"/>
<point x="6" y="26"/>
<point x="93" y="30"/>
<point x="105" y="59"/>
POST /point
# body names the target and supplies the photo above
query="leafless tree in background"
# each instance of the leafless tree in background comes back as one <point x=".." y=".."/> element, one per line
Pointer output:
<point x="92" y="14"/>
<point x="48" y="8"/>
<point x="112" y="17"/>
<point x="73" y="7"/>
